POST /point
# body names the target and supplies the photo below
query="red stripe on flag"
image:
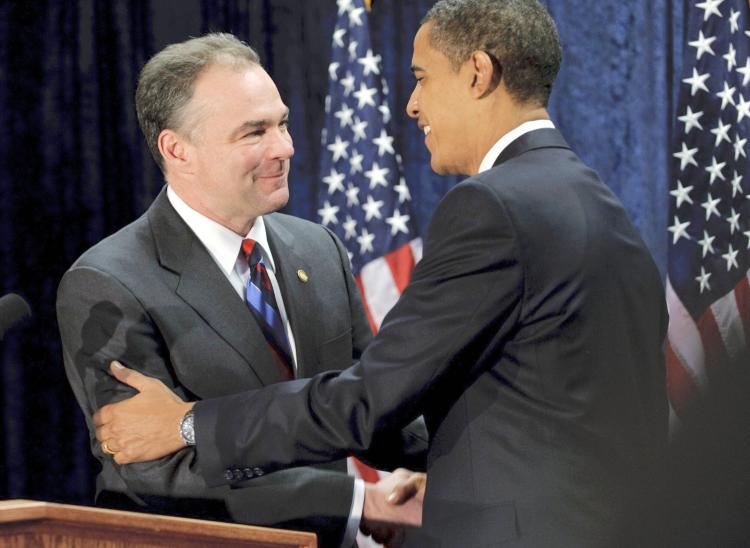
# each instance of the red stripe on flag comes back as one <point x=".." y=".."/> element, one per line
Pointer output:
<point x="370" y="475"/>
<point x="713" y="344"/>
<point x="742" y="296"/>
<point x="373" y="325"/>
<point x="401" y="263"/>
<point x="681" y="387"/>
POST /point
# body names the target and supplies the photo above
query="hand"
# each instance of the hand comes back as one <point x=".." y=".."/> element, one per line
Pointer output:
<point x="144" y="427"/>
<point x="392" y="503"/>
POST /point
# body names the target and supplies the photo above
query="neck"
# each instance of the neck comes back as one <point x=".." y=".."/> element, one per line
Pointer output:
<point x="500" y="121"/>
<point x="239" y="224"/>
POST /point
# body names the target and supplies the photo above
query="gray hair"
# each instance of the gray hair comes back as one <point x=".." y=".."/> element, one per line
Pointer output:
<point x="165" y="84"/>
<point x="519" y="35"/>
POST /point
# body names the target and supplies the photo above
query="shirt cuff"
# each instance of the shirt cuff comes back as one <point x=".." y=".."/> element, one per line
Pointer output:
<point x="355" y="514"/>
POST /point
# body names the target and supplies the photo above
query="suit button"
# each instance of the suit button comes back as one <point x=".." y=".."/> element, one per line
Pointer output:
<point x="258" y="471"/>
<point x="228" y="475"/>
<point x="248" y="473"/>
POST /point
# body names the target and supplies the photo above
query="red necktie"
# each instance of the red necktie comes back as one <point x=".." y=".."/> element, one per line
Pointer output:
<point x="262" y="302"/>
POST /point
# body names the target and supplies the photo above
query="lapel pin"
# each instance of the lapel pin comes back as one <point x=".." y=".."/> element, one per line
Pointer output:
<point x="302" y="275"/>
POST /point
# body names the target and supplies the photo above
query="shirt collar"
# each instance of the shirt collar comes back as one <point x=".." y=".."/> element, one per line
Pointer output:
<point x="494" y="153"/>
<point x="222" y="244"/>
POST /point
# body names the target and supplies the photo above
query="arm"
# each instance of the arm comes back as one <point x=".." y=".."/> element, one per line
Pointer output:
<point x="101" y="320"/>
<point x="392" y="448"/>
<point x="463" y="301"/>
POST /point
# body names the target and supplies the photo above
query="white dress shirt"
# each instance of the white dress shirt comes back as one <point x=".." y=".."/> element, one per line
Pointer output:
<point x="225" y="247"/>
<point x="494" y="153"/>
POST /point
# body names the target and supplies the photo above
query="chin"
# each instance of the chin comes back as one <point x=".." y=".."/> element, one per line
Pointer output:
<point x="280" y="198"/>
<point x="441" y="169"/>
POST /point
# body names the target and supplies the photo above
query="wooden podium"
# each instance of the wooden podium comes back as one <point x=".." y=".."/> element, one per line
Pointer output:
<point x="27" y="523"/>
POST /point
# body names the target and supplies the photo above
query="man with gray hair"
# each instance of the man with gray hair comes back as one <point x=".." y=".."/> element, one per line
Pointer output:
<point x="212" y="292"/>
<point x="530" y="336"/>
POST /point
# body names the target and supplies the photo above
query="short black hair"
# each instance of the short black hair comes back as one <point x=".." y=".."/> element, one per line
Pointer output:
<point x="519" y="34"/>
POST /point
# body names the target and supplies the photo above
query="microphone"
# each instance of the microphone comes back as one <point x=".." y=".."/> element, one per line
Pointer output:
<point x="13" y="310"/>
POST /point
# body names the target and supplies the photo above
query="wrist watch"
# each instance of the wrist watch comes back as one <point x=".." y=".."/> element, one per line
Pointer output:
<point x="187" y="428"/>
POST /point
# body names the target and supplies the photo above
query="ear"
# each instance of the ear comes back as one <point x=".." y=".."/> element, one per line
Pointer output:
<point x="486" y="74"/>
<point x="175" y="150"/>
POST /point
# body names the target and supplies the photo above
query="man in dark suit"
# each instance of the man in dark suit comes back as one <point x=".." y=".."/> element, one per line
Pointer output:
<point x="167" y="292"/>
<point x="529" y="337"/>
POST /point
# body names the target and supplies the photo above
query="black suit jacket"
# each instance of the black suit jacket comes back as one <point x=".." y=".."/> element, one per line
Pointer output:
<point x="530" y="337"/>
<point x="152" y="297"/>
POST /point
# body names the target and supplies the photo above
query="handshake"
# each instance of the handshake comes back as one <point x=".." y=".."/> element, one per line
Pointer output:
<point x="391" y="504"/>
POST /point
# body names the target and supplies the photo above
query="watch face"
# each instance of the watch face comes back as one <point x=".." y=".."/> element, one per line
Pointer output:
<point x="187" y="428"/>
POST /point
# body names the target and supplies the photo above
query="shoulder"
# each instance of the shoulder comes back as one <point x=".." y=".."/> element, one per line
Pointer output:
<point x="303" y="232"/>
<point x="122" y="247"/>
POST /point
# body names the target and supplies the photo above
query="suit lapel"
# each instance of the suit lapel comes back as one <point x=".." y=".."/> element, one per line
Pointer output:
<point x="205" y="288"/>
<point x="298" y="299"/>
<point x="539" y="138"/>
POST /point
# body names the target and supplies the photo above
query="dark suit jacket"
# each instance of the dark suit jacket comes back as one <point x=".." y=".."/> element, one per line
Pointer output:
<point x="530" y="338"/>
<point x="152" y="297"/>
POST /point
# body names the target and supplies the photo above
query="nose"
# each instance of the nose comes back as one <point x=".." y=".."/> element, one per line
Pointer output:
<point x="282" y="147"/>
<point x="412" y="106"/>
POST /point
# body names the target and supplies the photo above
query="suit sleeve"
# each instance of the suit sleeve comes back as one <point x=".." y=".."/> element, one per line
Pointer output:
<point x="102" y="320"/>
<point x="465" y="296"/>
<point x="393" y="447"/>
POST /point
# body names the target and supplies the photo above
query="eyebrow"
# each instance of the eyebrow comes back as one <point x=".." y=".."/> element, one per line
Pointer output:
<point x="255" y="124"/>
<point x="415" y="68"/>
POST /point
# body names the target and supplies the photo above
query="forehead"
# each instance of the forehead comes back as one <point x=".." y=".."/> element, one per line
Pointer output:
<point x="425" y="56"/>
<point x="230" y="87"/>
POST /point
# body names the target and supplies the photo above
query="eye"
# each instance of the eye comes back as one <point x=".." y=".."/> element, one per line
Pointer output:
<point x="284" y="125"/>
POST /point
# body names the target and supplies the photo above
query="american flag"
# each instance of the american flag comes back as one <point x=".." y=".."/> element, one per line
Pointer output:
<point x="365" y="199"/>
<point x="708" y="292"/>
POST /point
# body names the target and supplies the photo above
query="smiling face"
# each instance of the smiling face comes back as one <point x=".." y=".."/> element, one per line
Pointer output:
<point x="440" y="103"/>
<point x="237" y="146"/>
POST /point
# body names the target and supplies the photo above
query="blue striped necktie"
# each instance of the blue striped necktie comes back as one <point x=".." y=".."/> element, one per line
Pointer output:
<point x="262" y="302"/>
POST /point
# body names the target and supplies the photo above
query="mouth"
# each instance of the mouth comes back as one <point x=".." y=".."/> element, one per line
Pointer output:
<point x="271" y="175"/>
<point x="426" y="129"/>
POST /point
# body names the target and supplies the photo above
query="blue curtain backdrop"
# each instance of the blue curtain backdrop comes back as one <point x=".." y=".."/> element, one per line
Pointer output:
<point x="73" y="166"/>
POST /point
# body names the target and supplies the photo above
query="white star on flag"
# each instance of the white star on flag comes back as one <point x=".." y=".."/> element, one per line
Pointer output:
<point x="372" y="208"/>
<point x="715" y="170"/>
<point x="710" y="206"/>
<point x="686" y="156"/>
<point x="370" y="63"/>
<point x="377" y="175"/>
<point x="682" y="194"/>
<point x="352" y="195"/>
<point x="703" y="45"/>
<point x="721" y="131"/>
<point x="731" y="258"/>
<point x="334" y="181"/>
<point x="690" y="119"/>
<point x="710" y="7"/>
<point x="679" y="230"/>
<point x="365" y="241"/>
<point x="707" y="243"/>
<point x="365" y="96"/>
<point x="398" y="223"/>
<point x="726" y="95"/>
<point x="338" y="149"/>
<point x="384" y="143"/>
<point x="328" y="213"/>
<point x="350" y="228"/>
<point x="697" y="81"/>
<point x="745" y="71"/>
